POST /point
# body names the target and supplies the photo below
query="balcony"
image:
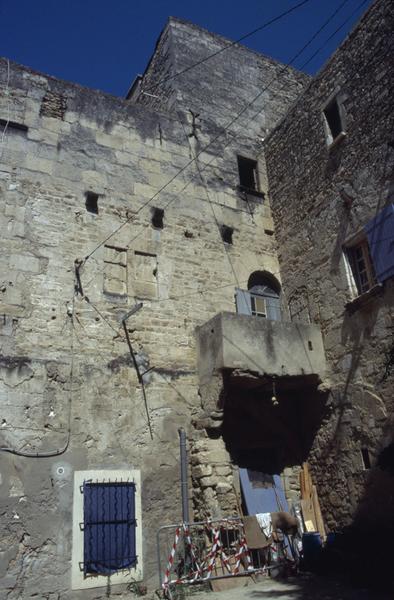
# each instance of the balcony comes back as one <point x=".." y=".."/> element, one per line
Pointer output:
<point x="287" y="351"/>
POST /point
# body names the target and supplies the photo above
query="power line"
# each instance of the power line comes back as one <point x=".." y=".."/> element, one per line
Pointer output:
<point x="333" y="34"/>
<point x="230" y="45"/>
<point x="216" y="138"/>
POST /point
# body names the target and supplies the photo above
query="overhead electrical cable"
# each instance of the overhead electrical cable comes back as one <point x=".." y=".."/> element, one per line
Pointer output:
<point x="230" y="45"/>
<point x="217" y="137"/>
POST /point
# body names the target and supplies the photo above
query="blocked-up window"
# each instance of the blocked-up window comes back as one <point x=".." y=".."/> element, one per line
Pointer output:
<point x="108" y="526"/>
<point x="144" y="275"/>
<point x="107" y="534"/>
<point x="115" y="270"/>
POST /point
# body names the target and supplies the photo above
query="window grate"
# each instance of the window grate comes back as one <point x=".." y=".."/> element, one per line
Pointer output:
<point x="109" y="527"/>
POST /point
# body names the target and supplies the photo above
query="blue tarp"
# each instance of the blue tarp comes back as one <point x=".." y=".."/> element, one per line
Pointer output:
<point x="260" y="499"/>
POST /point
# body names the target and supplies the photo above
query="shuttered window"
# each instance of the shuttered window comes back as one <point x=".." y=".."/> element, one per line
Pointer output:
<point x="109" y="527"/>
<point x="259" y="301"/>
<point x="380" y="234"/>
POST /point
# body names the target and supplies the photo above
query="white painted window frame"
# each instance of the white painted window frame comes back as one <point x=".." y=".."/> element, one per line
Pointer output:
<point x="78" y="580"/>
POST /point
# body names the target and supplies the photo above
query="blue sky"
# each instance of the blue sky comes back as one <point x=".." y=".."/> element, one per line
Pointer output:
<point x="103" y="44"/>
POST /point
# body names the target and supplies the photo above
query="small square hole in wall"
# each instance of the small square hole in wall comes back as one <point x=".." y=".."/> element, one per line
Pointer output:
<point x="157" y="218"/>
<point x="91" y="202"/>
<point x="227" y="234"/>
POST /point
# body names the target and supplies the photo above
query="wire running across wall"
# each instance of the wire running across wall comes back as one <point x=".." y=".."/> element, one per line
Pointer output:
<point x="216" y="138"/>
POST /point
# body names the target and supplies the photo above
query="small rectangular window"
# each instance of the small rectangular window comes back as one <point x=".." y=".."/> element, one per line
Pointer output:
<point x="108" y="527"/>
<point x="366" y="458"/>
<point x="227" y="234"/>
<point x="91" y="202"/>
<point x="259" y="307"/>
<point x="107" y="531"/>
<point x="248" y="175"/>
<point x="157" y="218"/>
<point x="361" y="266"/>
<point x="335" y="129"/>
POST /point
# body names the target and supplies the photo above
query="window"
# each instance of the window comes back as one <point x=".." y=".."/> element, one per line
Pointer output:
<point x="258" y="305"/>
<point x="157" y="218"/>
<point x="261" y="299"/>
<point x="361" y="266"/>
<point x="91" y="202"/>
<point x="365" y="458"/>
<point x="334" y="121"/>
<point x="107" y="540"/>
<point x="227" y="234"/>
<point x="370" y="254"/>
<point x="248" y="175"/>
<point x="6" y="125"/>
<point x="115" y="270"/>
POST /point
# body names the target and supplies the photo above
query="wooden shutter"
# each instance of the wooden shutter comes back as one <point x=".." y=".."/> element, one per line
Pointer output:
<point x="273" y="309"/>
<point x="242" y="302"/>
<point x="380" y="233"/>
<point x="109" y="527"/>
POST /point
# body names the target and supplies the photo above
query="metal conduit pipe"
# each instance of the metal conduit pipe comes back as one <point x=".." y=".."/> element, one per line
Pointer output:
<point x="184" y="476"/>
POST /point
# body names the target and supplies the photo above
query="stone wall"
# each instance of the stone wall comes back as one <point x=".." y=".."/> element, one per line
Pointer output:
<point x="68" y="385"/>
<point x="320" y="197"/>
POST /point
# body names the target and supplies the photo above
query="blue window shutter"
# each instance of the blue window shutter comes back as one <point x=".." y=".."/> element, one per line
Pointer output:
<point x="380" y="233"/>
<point x="242" y="301"/>
<point x="273" y="309"/>
<point x="109" y="527"/>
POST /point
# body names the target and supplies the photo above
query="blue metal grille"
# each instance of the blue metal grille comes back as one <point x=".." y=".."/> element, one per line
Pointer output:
<point x="109" y="527"/>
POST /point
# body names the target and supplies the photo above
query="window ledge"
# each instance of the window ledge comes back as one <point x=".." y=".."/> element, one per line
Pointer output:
<point x="341" y="136"/>
<point x="251" y="191"/>
<point x="364" y="298"/>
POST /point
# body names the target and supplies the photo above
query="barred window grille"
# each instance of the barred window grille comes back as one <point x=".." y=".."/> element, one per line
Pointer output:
<point x="109" y="527"/>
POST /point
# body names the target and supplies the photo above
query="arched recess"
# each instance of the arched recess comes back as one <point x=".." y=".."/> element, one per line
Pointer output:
<point x="262" y="298"/>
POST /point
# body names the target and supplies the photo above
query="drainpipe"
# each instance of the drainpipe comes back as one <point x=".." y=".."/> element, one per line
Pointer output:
<point x="184" y="481"/>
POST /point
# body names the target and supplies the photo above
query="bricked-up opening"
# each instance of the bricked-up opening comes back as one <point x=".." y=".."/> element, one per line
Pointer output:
<point x="248" y="176"/>
<point x="227" y="234"/>
<point x="333" y="118"/>
<point x="157" y="218"/>
<point x="366" y="458"/>
<point x="6" y="125"/>
<point x="91" y="202"/>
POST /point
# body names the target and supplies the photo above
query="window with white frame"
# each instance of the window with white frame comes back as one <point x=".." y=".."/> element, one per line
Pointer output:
<point x="369" y="255"/>
<point x="107" y="540"/>
<point x="334" y="120"/>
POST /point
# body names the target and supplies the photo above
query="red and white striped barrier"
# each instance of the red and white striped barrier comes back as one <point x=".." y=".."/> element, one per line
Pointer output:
<point x="203" y="571"/>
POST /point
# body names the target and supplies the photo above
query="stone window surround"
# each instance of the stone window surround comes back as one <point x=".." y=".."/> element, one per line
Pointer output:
<point x="358" y="299"/>
<point x="78" y="580"/>
<point x="340" y="98"/>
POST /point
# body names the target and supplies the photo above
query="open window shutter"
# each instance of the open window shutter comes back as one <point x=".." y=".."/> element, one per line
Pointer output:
<point x="242" y="301"/>
<point x="273" y="309"/>
<point x="109" y="527"/>
<point x="380" y="233"/>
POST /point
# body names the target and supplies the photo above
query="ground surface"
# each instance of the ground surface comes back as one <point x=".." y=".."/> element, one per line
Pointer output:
<point x="300" y="588"/>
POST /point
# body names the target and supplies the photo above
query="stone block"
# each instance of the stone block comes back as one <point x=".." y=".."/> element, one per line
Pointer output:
<point x="202" y="471"/>
<point x="27" y="263"/>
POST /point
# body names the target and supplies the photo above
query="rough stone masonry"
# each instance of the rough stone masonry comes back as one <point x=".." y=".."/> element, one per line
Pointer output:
<point x="106" y="203"/>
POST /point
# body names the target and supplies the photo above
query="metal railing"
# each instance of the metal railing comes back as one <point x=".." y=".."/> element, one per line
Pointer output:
<point x="191" y="553"/>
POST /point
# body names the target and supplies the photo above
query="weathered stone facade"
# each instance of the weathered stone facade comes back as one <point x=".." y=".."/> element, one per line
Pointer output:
<point x="76" y="166"/>
<point x="321" y="196"/>
<point x="84" y="177"/>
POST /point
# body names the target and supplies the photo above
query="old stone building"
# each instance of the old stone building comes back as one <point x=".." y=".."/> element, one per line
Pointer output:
<point x="248" y="337"/>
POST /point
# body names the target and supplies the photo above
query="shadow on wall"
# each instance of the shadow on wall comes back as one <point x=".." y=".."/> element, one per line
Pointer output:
<point x="266" y="434"/>
<point x="363" y="551"/>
